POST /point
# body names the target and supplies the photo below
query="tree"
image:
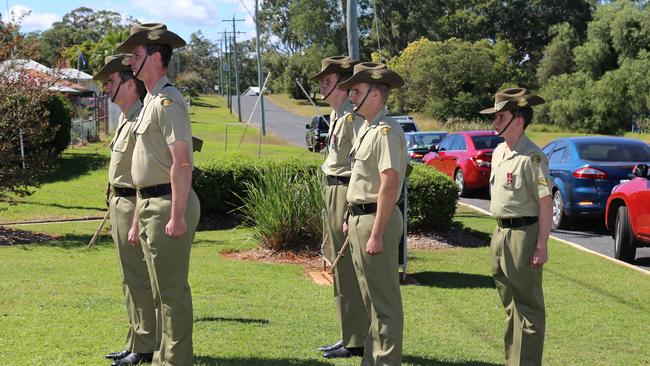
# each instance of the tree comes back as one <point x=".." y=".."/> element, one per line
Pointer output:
<point x="24" y="126"/>
<point x="558" y="54"/>
<point x="453" y="78"/>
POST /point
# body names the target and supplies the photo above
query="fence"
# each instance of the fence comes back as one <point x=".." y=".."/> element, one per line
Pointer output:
<point x="89" y="123"/>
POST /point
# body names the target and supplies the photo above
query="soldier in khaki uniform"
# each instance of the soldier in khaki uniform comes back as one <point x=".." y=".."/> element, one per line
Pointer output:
<point x="344" y="125"/>
<point x="167" y="206"/>
<point x="126" y="91"/>
<point x="522" y="205"/>
<point x="375" y="222"/>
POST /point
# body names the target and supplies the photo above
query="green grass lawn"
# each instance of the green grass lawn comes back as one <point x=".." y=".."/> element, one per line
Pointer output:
<point x="62" y="304"/>
<point x="76" y="189"/>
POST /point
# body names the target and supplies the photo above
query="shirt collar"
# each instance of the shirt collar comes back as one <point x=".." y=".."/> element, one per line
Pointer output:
<point x="159" y="85"/>
<point x="134" y="110"/>
<point x="520" y="147"/>
<point x="375" y="120"/>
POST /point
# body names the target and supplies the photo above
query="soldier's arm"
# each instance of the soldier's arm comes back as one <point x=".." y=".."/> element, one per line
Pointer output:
<point x="181" y="180"/>
<point x="134" y="231"/>
<point x="545" y="217"/>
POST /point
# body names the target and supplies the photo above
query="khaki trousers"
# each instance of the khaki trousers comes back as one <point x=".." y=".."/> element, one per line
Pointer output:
<point x="520" y="289"/>
<point x="378" y="277"/>
<point x="347" y="295"/>
<point x="141" y="337"/>
<point x="168" y="262"/>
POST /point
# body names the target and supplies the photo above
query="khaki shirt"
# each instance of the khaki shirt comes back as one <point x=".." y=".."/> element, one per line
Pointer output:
<point x="119" y="169"/>
<point x="344" y="126"/>
<point x="164" y="119"/>
<point x="380" y="146"/>
<point x="519" y="179"/>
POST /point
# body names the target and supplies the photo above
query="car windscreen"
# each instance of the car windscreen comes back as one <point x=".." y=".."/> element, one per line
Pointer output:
<point x="408" y="126"/>
<point x="486" y="142"/>
<point x="424" y="140"/>
<point x="323" y="123"/>
<point x="613" y="151"/>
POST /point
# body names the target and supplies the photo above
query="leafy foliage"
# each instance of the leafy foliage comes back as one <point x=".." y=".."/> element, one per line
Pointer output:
<point x="432" y="199"/>
<point x="453" y="78"/>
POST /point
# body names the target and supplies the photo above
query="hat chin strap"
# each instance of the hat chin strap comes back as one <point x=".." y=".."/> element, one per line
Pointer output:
<point x="355" y="109"/>
<point x="117" y="90"/>
<point x="142" y="64"/>
<point x="514" y="115"/>
<point x="333" y="88"/>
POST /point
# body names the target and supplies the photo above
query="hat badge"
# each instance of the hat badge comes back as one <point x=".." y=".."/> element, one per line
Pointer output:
<point x="125" y="61"/>
<point x="522" y="102"/>
<point x="376" y="75"/>
<point x="345" y="64"/>
<point x="153" y="36"/>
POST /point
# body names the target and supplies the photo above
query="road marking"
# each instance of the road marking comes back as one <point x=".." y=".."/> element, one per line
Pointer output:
<point x="575" y="245"/>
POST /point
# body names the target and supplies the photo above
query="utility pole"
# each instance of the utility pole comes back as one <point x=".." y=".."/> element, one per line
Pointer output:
<point x="225" y="37"/>
<point x="259" y="67"/>
<point x="353" y="29"/>
<point x="234" y="52"/>
<point x="220" y="68"/>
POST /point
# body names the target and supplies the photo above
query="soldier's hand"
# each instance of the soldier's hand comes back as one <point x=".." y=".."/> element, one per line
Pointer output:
<point x="134" y="234"/>
<point x="345" y="228"/>
<point x="176" y="228"/>
<point x="540" y="256"/>
<point x="375" y="245"/>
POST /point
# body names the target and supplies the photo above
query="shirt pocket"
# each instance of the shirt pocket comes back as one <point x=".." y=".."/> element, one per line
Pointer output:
<point x="142" y="127"/>
<point x="363" y="153"/>
<point x="120" y="145"/>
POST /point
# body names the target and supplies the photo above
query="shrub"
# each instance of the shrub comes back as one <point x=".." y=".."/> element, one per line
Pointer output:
<point x="432" y="199"/>
<point x="284" y="207"/>
<point x="224" y="186"/>
<point x="59" y="120"/>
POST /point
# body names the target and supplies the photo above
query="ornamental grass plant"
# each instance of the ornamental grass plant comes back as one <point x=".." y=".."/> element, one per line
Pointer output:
<point x="283" y="205"/>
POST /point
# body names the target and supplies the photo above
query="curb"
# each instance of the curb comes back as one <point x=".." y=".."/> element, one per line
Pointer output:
<point x="572" y="244"/>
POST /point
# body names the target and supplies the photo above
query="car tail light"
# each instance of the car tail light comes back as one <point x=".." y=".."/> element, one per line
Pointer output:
<point x="416" y="155"/>
<point x="482" y="160"/>
<point x="590" y="173"/>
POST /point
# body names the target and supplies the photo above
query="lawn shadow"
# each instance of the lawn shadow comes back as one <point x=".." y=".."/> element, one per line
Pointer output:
<point x="73" y="241"/>
<point x="642" y="261"/>
<point x="74" y="164"/>
<point x="426" y="361"/>
<point x="254" y="361"/>
<point x="200" y="103"/>
<point x="236" y="320"/>
<point x="453" y="280"/>
<point x="100" y="210"/>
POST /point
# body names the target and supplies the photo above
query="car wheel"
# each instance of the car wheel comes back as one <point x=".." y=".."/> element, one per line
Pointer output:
<point x="459" y="178"/>
<point x="560" y="219"/>
<point x="624" y="248"/>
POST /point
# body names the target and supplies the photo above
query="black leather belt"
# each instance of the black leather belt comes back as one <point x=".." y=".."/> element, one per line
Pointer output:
<point x="356" y="209"/>
<point x="333" y="180"/>
<point x="516" y="222"/>
<point x="155" y="191"/>
<point x="124" y="192"/>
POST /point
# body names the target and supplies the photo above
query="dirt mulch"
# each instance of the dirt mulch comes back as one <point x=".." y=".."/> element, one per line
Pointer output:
<point x="454" y="238"/>
<point x="309" y="260"/>
<point x="10" y="236"/>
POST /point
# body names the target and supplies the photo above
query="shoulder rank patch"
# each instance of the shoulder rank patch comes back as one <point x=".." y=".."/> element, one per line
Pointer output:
<point x="536" y="159"/>
<point x="385" y="130"/>
<point x="166" y="102"/>
<point x="349" y="118"/>
<point x="542" y="182"/>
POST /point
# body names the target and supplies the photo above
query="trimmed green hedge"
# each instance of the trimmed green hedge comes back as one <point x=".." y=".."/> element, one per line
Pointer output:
<point x="432" y="198"/>
<point x="219" y="184"/>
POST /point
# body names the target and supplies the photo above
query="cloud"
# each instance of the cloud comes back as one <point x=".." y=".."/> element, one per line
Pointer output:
<point x="30" y="20"/>
<point x="194" y="12"/>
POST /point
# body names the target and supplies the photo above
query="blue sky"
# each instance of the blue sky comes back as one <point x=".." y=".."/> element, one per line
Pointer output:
<point x="181" y="16"/>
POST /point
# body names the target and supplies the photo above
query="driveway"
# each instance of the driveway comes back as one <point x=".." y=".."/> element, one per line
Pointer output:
<point x="288" y="126"/>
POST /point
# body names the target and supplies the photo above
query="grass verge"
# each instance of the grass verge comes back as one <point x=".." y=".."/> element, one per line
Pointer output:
<point x="61" y="302"/>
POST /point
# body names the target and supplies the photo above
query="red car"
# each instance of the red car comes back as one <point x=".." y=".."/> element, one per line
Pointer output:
<point x="628" y="214"/>
<point x="465" y="156"/>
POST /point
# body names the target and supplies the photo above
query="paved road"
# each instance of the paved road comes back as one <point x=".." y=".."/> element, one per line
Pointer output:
<point x="585" y="233"/>
<point x="288" y="126"/>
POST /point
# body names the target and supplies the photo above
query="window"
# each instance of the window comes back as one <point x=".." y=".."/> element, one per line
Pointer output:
<point x="486" y="142"/>
<point x="446" y="143"/>
<point x="459" y="143"/>
<point x="614" y="151"/>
